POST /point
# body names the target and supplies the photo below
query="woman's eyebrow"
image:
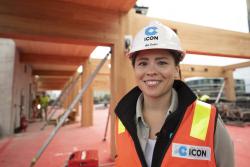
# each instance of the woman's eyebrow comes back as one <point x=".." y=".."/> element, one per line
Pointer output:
<point x="142" y="58"/>
<point x="160" y="58"/>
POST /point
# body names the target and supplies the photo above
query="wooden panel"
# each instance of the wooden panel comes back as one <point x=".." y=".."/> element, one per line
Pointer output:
<point x="116" y="5"/>
<point x="51" y="59"/>
<point x="105" y="68"/>
<point x="58" y="20"/>
<point x="101" y="86"/>
<point x="102" y="82"/>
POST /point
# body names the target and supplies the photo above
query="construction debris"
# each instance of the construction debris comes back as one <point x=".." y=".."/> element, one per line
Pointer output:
<point x="233" y="114"/>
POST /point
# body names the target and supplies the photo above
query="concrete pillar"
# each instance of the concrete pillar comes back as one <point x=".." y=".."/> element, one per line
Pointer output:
<point x="87" y="99"/>
<point x="229" y="89"/>
<point x="7" y="63"/>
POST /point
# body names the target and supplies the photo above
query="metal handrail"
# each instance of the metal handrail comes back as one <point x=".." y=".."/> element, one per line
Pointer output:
<point x="68" y="111"/>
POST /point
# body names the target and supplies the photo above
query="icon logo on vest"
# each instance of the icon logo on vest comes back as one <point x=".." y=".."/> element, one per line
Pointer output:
<point x="191" y="151"/>
<point x="183" y="151"/>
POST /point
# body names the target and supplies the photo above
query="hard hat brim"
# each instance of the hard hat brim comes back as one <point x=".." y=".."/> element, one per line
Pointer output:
<point x="180" y="54"/>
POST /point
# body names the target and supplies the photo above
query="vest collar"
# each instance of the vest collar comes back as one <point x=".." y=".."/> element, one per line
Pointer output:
<point x="126" y="108"/>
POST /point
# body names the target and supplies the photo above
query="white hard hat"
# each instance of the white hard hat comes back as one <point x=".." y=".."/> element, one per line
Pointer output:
<point x="156" y="36"/>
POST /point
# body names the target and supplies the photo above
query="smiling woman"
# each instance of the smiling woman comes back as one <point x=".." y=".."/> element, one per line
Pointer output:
<point x="155" y="71"/>
<point x="161" y="120"/>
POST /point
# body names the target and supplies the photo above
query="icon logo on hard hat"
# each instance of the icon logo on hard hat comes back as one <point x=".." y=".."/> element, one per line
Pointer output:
<point x="151" y="31"/>
<point x="151" y="34"/>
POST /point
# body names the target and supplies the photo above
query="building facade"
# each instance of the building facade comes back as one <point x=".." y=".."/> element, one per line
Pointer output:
<point x="212" y="86"/>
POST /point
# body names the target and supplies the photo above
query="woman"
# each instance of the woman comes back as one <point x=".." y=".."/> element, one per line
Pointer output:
<point x="160" y="122"/>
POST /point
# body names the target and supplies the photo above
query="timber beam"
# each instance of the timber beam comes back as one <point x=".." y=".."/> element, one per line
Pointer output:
<point x="51" y="59"/>
<point x="52" y="73"/>
<point x="236" y="66"/>
<point x="54" y="80"/>
<point x="201" y="71"/>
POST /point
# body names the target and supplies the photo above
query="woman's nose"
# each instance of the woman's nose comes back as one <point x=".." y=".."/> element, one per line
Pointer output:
<point x="151" y="70"/>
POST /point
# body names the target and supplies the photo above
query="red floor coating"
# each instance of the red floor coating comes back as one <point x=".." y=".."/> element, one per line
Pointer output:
<point x="241" y="138"/>
<point x="17" y="151"/>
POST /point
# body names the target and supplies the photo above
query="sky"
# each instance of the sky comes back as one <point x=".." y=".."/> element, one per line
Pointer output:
<point x="222" y="14"/>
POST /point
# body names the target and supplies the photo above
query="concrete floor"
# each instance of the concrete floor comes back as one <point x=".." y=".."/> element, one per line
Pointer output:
<point x="18" y="151"/>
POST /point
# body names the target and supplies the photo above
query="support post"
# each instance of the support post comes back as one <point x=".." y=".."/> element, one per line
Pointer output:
<point x="87" y="98"/>
<point x="122" y="76"/>
<point x="229" y="86"/>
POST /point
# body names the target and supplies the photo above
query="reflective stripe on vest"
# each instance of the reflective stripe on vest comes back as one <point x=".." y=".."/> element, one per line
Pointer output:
<point x="200" y="120"/>
<point x="121" y="127"/>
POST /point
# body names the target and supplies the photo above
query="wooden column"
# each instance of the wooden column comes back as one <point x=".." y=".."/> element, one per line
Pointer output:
<point x="229" y="86"/>
<point x="87" y="99"/>
<point x="76" y="91"/>
<point x="122" y="76"/>
<point x="65" y="101"/>
<point x="70" y="95"/>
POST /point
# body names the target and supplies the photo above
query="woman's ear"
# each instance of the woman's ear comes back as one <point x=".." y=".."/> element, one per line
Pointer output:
<point x="177" y="72"/>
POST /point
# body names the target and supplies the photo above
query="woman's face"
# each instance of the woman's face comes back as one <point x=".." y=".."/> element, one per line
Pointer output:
<point x="155" y="71"/>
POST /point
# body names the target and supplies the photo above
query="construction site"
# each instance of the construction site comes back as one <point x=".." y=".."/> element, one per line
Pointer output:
<point x="57" y="102"/>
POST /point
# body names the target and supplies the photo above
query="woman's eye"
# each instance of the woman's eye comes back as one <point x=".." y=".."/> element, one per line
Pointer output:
<point x="142" y="63"/>
<point x="162" y="63"/>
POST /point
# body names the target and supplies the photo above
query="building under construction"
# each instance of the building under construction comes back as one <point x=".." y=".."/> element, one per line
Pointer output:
<point x="43" y="43"/>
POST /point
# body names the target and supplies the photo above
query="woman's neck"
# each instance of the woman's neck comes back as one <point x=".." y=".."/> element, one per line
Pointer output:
<point x="158" y="104"/>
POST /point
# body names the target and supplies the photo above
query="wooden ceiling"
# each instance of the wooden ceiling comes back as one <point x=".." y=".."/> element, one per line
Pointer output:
<point x="52" y="48"/>
<point x="56" y="59"/>
<point x="115" y="5"/>
<point x="54" y="63"/>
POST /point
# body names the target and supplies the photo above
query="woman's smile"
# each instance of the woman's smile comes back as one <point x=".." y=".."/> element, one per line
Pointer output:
<point x="152" y="83"/>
